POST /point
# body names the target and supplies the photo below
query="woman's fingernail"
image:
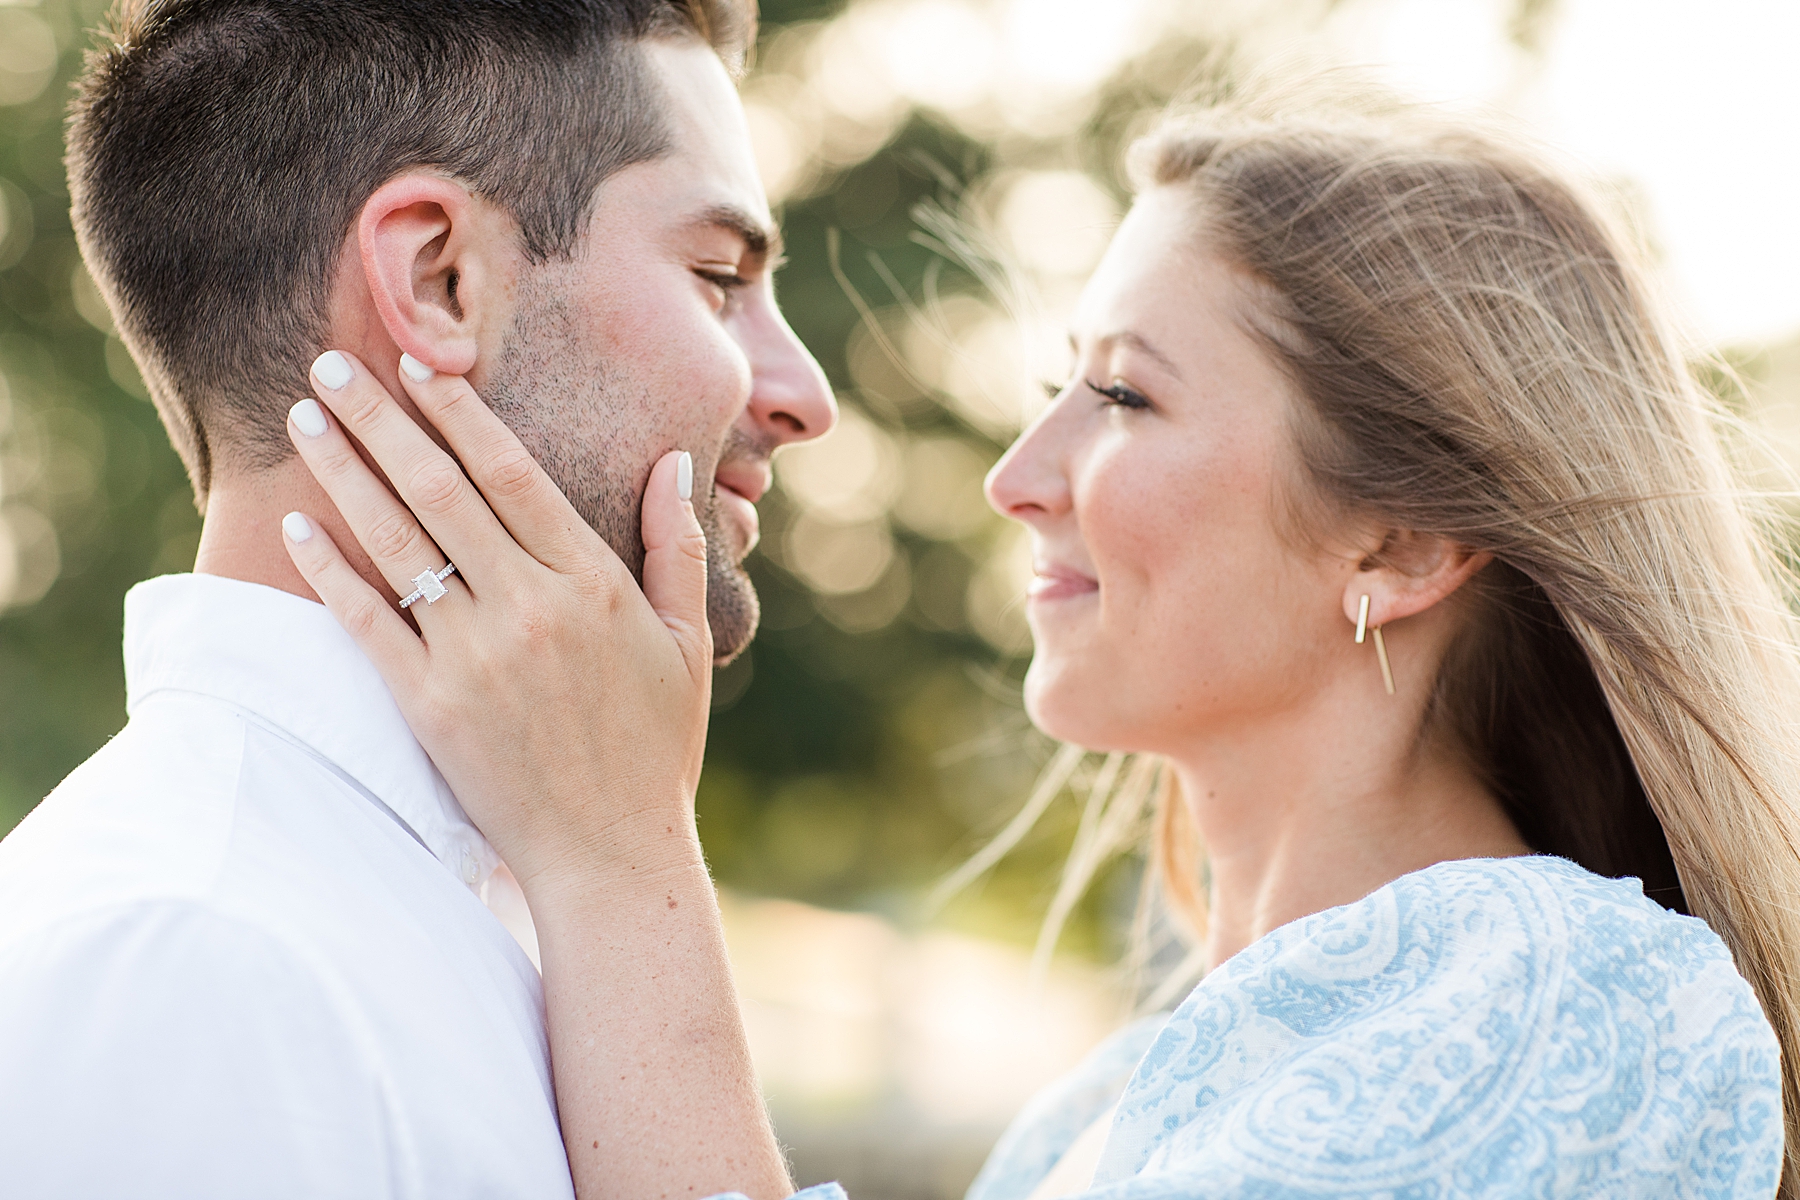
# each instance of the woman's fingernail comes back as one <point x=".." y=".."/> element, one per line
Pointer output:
<point x="684" y="476"/>
<point x="297" y="527"/>
<point x="415" y="370"/>
<point x="308" y="417"/>
<point x="332" y="370"/>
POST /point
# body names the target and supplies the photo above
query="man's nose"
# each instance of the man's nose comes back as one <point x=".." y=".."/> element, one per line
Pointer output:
<point x="790" y="400"/>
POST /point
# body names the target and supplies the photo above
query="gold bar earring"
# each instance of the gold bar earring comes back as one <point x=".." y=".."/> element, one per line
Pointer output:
<point x="1387" y="674"/>
<point x="1362" y="627"/>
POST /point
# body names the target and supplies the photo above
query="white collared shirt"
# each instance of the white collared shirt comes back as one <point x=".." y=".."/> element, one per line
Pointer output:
<point x="242" y="950"/>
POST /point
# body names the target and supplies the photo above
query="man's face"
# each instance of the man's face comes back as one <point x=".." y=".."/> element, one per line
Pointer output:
<point x="662" y="333"/>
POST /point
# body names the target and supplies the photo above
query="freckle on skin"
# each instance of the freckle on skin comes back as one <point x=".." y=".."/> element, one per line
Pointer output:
<point x="674" y="903"/>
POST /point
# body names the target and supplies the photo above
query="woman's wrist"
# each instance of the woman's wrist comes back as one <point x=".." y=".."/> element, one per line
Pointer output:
<point x="655" y="1087"/>
<point x="641" y="857"/>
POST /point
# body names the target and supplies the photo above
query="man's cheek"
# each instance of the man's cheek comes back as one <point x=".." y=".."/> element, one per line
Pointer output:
<point x="728" y="363"/>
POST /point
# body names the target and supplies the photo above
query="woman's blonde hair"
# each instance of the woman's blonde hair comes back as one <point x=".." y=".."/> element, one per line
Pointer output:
<point x="1480" y="358"/>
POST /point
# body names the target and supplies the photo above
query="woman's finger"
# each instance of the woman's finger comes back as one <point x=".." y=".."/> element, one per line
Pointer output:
<point x="521" y="494"/>
<point x="364" y="613"/>
<point x="427" y="479"/>
<point x="393" y="539"/>
<point x="675" y="560"/>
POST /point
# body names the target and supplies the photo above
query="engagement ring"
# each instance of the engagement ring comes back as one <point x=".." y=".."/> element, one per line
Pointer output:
<point x="429" y="586"/>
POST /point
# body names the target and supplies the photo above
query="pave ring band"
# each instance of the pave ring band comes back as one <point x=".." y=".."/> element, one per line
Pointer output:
<point x="429" y="586"/>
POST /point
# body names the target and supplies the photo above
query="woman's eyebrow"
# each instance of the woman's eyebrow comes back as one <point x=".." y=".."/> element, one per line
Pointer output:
<point x="1136" y="341"/>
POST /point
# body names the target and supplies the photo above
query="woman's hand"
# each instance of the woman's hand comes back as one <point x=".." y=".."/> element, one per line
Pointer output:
<point x="545" y="673"/>
<point x="567" y="709"/>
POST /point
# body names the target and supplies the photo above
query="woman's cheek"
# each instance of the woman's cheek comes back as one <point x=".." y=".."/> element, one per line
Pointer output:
<point x="1136" y="520"/>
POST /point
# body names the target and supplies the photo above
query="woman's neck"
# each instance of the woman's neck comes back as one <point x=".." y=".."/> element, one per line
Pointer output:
<point x="1304" y="818"/>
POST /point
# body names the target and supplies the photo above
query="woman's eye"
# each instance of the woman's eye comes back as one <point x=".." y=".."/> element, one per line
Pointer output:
<point x="1120" y="395"/>
<point x="1052" y="388"/>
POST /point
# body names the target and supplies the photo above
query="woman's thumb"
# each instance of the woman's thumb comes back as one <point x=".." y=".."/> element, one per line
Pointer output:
<point x="675" y="557"/>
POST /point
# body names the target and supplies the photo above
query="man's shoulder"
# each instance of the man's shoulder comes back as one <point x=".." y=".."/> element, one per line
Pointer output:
<point x="191" y="803"/>
<point x="200" y="822"/>
<point x="148" y="816"/>
<point x="211" y="938"/>
<point x="228" y="1057"/>
<point x="195" y="1035"/>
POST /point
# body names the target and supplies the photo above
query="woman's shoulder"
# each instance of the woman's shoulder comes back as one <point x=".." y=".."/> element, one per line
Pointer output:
<point x="1513" y="946"/>
<point x="1048" y="1125"/>
<point x="1539" y="903"/>
<point x="1520" y="1025"/>
<point x="1478" y="881"/>
<point x="1511" y="916"/>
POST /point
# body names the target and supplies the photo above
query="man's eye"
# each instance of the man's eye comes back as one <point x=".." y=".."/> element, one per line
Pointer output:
<point x="1120" y="395"/>
<point x="726" y="280"/>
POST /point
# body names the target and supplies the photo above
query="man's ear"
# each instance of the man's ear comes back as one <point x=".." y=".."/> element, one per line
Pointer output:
<point x="428" y="255"/>
<point x="1408" y="573"/>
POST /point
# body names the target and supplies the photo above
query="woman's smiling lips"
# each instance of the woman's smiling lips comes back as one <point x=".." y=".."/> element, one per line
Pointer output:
<point x="738" y="485"/>
<point x="1053" y="581"/>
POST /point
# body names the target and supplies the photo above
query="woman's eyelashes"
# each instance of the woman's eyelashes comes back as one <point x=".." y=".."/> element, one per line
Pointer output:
<point x="1116" y="394"/>
<point x="1119" y="394"/>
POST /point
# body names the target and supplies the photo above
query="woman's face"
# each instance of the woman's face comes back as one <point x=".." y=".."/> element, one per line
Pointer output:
<point x="1167" y="604"/>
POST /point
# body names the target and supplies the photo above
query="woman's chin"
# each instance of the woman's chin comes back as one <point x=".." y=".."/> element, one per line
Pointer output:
<point x="1060" y="706"/>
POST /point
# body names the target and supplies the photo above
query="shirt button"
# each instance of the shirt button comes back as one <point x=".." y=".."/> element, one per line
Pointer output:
<point x="471" y="869"/>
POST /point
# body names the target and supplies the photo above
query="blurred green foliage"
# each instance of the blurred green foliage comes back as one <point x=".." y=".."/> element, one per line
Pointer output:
<point x="81" y="451"/>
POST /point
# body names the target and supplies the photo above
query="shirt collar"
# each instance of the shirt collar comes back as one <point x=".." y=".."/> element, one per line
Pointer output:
<point x="287" y="661"/>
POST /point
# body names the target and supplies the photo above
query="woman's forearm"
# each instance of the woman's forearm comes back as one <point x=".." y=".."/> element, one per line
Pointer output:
<point x="657" y="1094"/>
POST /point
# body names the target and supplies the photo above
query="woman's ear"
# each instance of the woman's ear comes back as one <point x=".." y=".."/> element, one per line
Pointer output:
<point x="1409" y="573"/>
<point x="428" y="255"/>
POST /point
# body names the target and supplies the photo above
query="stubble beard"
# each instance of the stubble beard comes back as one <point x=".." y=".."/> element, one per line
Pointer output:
<point x="590" y="424"/>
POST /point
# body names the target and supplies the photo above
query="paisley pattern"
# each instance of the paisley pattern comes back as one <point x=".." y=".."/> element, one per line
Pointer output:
<point x="1482" y="1028"/>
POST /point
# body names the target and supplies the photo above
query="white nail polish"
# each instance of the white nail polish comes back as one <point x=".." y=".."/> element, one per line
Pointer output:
<point x="297" y="528"/>
<point x="332" y="370"/>
<point x="684" y="476"/>
<point x="308" y="417"/>
<point x="415" y="370"/>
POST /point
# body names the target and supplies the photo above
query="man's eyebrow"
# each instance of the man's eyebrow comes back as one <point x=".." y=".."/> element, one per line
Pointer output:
<point x="1138" y="342"/>
<point x="762" y="240"/>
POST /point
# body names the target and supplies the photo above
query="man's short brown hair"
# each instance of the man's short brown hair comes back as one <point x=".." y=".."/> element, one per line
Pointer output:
<point x="220" y="150"/>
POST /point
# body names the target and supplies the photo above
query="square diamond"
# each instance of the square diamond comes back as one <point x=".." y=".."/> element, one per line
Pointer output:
<point x="431" y="588"/>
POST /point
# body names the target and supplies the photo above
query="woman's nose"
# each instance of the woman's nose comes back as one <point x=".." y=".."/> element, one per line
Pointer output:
<point x="1030" y="480"/>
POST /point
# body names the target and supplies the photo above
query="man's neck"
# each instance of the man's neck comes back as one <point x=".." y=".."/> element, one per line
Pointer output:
<point x="241" y="537"/>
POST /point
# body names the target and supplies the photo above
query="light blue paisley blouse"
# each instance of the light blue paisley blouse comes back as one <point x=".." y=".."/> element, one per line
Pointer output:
<point x="1482" y="1028"/>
